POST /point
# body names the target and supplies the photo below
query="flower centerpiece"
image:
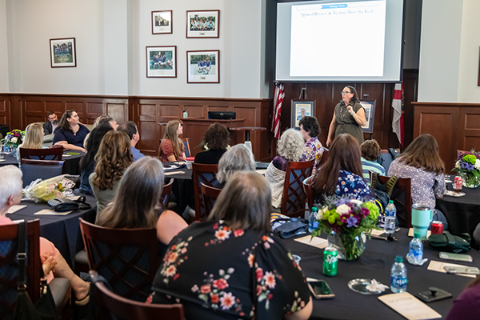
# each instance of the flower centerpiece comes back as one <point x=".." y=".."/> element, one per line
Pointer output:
<point x="468" y="167"/>
<point x="13" y="139"/>
<point x="347" y="221"/>
<point x="49" y="189"/>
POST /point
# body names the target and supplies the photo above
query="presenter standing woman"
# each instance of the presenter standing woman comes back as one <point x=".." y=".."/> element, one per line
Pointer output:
<point x="348" y="117"/>
<point x="70" y="133"/>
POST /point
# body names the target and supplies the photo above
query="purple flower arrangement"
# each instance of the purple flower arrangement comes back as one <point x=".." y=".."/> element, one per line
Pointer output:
<point x="14" y="138"/>
<point x="468" y="167"/>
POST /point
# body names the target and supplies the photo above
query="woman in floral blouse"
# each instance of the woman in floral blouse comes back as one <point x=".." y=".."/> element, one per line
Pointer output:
<point x="310" y="129"/>
<point x="421" y="163"/>
<point x="342" y="172"/>
<point x="232" y="266"/>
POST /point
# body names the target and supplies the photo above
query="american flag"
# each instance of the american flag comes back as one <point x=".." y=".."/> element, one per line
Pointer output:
<point x="278" y="98"/>
<point x="397" y="105"/>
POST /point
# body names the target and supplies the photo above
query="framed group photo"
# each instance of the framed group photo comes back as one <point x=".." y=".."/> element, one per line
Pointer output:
<point x="63" y="53"/>
<point x="300" y="109"/>
<point x="369" y="106"/>
<point x="203" y="24"/>
<point x="162" y="22"/>
<point x="203" y="66"/>
<point x="161" y="62"/>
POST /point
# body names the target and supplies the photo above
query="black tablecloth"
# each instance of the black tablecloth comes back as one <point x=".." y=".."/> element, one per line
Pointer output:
<point x="62" y="231"/>
<point x="463" y="213"/>
<point x="71" y="165"/>
<point x="376" y="263"/>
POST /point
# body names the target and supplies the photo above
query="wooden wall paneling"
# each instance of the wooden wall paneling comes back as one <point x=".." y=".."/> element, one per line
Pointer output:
<point x="147" y="113"/>
<point x="468" y="129"/>
<point x="34" y="110"/>
<point x="441" y="123"/>
<point x="266" y="137"/>
<point x="194" y="110"/>
<point x="93" y="110"/>
<point x="410" y="89"/>
<point x="16" y="112"/>
<point x="79" y="107"/>
<point x="5" y="110"/>
<point x="117" y="109"/>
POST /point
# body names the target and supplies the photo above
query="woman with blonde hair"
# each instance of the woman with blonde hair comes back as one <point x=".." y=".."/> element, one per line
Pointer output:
<point x="233" y="261"/>
<point x="171" y="148"/>
<point x="137" y="202"/>
<point x="289" y="148"/>
<point x="112" y="159"/>
<point x="33" y="138"/>
<point x="421" y="163"/>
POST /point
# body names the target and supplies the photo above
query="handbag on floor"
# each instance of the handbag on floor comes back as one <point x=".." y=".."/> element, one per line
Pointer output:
<point x="45" y="308"/>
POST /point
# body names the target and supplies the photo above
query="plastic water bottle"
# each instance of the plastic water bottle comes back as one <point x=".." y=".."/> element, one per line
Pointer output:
<point x="399" y="276"/>
<point x="416" y="248"/>
<point x="312" y="220"/>
<point x="390" y="216"/>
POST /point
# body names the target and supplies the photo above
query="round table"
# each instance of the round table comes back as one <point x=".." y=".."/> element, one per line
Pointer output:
<point x="462" y="213"/>
<point x="62" y="230"/>
<point x="376" y="263"/>
<point x="71" y="162"/>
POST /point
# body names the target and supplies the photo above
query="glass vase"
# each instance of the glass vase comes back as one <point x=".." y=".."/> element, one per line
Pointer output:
<point x="348" y="247"/>
<point x="469" y="180"/>
<point x="14" y="151"/>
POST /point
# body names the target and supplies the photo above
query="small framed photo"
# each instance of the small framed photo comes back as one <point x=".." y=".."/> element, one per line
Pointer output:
<point x="203" y="24"/>
<point x="203" y="66"/>
<point x="161" y="62"/>
<point x="369" y="106"/>
<point x="162" y="22"/>
<point x="300" y="109"/>
<point x="63" y="53"/>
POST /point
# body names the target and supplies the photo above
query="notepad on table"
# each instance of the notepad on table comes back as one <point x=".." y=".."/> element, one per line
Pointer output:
<point x="315" y="242"/>
<point x="408" y="306"/>
<point x="438" y="266"/>
<point x="13" y="209"/>
<point x="51" y="212"/>
<point x="174" y="172"/>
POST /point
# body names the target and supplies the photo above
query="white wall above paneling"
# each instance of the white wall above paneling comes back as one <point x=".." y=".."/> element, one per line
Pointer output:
<point x="111" y="36"/>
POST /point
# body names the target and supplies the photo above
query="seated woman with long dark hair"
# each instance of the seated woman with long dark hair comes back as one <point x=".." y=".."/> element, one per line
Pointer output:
<point x="232" y="266"/>
<point x="70" y="133"/>
<point x="342" y="172"/>
<point x="113" y="158"/>
<point x="88" y="163"/>
<point x="137" y="202"/>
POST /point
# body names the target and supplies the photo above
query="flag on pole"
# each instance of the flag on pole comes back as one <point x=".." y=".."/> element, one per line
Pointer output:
<point x="397" y="105"/>
<point x="278" y="98"/>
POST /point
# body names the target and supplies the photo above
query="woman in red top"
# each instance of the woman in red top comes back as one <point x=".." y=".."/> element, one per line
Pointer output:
<point x="171" y="148"/>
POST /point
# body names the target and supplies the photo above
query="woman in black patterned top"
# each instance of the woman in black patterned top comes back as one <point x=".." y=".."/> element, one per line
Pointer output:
<point x="232" y="266"/>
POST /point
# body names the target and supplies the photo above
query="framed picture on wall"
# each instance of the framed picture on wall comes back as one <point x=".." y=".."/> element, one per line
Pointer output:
<point x="203" y="24"/>
<point x="162" y="22"/>
<point x="369" y="106"/>
<point x="63" y="53"/>
<point x="161" y="62"/>
<point x="300" y="109"/>
<point x="203" y="66"/>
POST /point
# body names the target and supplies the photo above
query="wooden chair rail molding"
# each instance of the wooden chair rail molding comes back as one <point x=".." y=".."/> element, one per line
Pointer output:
<point x="455" y="126"/>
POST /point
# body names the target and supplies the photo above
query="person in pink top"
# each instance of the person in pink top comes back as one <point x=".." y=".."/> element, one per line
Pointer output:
<point x="54" y="265"/>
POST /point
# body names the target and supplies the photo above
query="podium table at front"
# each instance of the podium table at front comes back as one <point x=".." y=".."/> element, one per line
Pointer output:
<point x="195" y="128"/>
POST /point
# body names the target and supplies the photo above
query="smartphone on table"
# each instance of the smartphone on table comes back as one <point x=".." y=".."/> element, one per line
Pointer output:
<point x="320" y="289"/>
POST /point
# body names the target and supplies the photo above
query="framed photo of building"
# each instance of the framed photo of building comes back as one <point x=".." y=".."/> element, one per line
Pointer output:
<point x="369" y="106"/>
<point x="161" y="62"/>
<point x="203" y="24"/>
<point x="63" y="53"/>
<point x="300" y="109"/>
<point x="203" y="66"/>
<point x="162" y="22"/>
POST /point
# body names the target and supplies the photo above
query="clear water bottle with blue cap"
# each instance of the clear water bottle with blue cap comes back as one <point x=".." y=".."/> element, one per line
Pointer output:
<point x="398" y="276"/>
<point x="416" y="249"/>
<point x="312" y="220"/>
<point x="390" y="216"/>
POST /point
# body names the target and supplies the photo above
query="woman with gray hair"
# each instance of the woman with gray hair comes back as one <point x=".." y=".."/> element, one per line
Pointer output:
<point x="289" y="148"/>
<point x="238" y="158"/>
